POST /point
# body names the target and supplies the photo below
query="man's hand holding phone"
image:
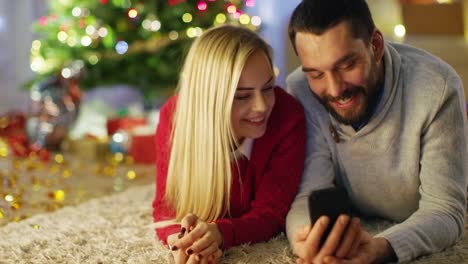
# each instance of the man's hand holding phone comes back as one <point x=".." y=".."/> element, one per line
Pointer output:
<point x="333" y="232"/>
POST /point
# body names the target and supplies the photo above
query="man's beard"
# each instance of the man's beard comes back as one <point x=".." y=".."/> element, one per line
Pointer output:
<point x="354" y="119"/>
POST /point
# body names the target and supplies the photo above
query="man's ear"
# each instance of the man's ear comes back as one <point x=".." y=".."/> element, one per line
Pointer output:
<point x="377" y="44"/>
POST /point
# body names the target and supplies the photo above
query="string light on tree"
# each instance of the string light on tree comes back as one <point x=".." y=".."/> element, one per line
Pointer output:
<point x="256" y="21"/>
<point x="187" y="17"/>
<point x="231" y="9"/>
<point x="121" y="47"/>
<point x="202" y="6"/>
<point x="146" y="36"/>
<point x="249" y="3"/>
<point x="132" y="13"/>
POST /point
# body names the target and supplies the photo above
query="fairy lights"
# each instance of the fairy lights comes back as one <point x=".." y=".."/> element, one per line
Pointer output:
<point x="76" y="30"/>
<point x="173" y="35"/>
<point x="132" y="13"/>
<point x="202" y="6"/>
<point x="256" y="21"/>
<point x="244" y="19"/>
<point x="187" y="17"/>
<point x="86" y="41"/>
<point x="221" y="18"/>
<point x="231" y="9"/>
<point x="249" y="3"/>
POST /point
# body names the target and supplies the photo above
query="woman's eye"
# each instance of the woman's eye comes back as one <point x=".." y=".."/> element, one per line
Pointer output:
<point x="241" y="97"/>
<point x="269" y="88"/>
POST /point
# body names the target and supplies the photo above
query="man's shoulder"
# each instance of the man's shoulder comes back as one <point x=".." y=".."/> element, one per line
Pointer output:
<point x="418" y="63"/>
<point x="296" y="82"/>
<point x="297" y="86"/>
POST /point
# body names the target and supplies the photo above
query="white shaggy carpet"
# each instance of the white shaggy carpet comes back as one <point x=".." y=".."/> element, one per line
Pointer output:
<point x="118" y="229"/>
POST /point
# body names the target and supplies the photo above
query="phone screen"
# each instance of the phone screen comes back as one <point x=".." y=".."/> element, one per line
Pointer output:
<point x="331" y="202"/>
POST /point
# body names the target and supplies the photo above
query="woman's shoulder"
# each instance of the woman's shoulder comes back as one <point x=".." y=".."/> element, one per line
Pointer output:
<point x="288" y="114"/>
<point x="170" y="104"/>
<point x="286" y="106"/>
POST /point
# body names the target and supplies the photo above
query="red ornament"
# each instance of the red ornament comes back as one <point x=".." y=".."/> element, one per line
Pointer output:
<point x="12" y="128"/>
<point x="103" y="1"/>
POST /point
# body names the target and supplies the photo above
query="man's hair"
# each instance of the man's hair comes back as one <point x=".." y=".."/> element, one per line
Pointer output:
<point x="317" y="16"/>
<point x="199" y="173"/>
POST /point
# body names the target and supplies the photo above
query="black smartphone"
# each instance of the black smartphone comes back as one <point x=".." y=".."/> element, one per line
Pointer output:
<point x="331" y="202"/>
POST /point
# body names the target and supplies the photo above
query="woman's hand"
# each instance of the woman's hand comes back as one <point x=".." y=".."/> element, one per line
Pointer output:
<point x="200" y="240"/>
<point x="179" y="254"/>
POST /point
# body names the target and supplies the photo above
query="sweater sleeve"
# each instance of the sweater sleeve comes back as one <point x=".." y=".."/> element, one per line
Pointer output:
<point x="161" y="211"/>
<point x="318" y="168"/>
<point x="439" y="220"/>
<point x="274" y="192"/>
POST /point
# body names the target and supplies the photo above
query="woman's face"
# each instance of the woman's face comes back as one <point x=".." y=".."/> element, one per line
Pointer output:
<point x="254" y="98"/>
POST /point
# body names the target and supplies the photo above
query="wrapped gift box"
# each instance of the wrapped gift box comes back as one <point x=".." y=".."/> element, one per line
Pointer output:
<point x="124" y="123"/>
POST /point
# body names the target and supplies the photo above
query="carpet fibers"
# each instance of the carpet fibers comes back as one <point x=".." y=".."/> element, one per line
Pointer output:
<point x="118" y="229"/>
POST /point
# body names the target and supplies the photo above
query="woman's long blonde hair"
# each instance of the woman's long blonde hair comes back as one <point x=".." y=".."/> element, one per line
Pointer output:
<point x="199" y="175"/>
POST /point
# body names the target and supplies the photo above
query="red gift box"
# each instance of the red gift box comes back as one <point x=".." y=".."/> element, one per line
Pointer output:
<point x="124" y="123"/>
<point x="143" y="148"/>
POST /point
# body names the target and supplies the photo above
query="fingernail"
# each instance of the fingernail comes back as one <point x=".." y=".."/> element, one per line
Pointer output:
<point x="344" y="220"/>
<point x="324" y="220"/>
<point x="174" y="248"/>
<point x="182" y="232"/>
<point x="189" y="252"/>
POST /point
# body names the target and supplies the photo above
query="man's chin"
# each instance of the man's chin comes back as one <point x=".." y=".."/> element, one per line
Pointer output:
<point x="348" y="118"/>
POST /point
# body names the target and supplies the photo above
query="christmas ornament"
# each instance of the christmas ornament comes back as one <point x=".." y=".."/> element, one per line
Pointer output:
<point x="13" y="137"/>
<point x="54" y="108"/>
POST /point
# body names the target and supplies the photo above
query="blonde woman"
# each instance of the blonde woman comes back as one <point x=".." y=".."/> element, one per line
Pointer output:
<point x="230" y="149"/>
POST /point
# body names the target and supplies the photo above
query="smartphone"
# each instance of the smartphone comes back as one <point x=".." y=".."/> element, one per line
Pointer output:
<point x="331" y="202"/>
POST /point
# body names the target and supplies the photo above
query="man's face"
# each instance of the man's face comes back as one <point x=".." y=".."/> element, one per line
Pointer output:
<point x="342" y="71"/>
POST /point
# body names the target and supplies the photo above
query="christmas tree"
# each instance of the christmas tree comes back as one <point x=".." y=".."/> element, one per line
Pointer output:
<point x="141" y="43"/>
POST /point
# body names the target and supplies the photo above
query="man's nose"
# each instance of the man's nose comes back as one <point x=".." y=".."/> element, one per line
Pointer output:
<point x="335" y="84"/>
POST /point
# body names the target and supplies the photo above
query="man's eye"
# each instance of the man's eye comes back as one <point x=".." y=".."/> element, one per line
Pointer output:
<point x="315" y="75"/>
<point x="348" y="65"/>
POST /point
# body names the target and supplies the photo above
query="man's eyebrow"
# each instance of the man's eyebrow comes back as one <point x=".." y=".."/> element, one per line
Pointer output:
<point x="252" y="88"/>
<point x="341" y="60"/>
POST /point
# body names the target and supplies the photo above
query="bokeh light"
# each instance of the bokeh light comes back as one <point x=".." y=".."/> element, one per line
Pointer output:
<point x="202" y="6"/>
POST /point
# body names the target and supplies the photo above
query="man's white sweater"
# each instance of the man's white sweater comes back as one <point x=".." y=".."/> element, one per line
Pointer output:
<point x="407" y="164"/>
